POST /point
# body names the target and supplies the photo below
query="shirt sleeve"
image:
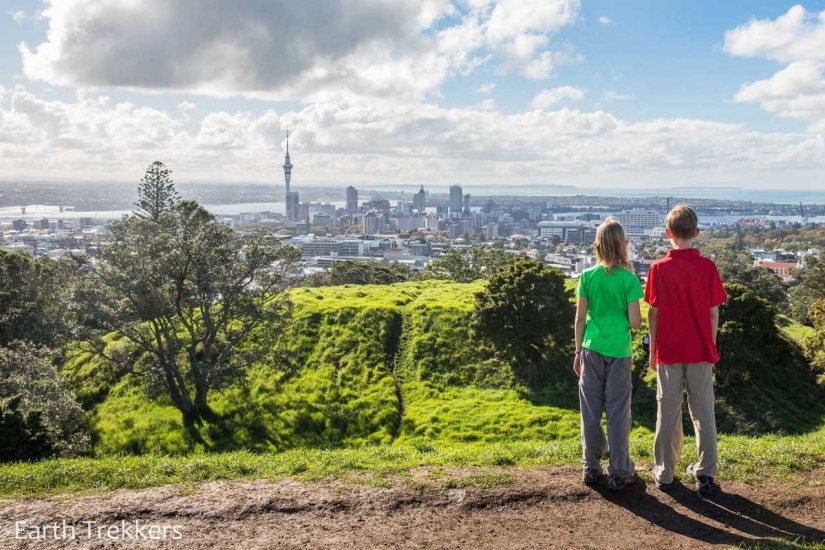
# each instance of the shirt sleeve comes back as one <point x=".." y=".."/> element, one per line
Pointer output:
<point x="634" y="290"/>
<point x="581" y="290"/>
<point x="651" y="296"/>
<point x="718" y="295"/>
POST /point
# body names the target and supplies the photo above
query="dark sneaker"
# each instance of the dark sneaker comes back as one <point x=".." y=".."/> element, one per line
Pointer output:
<point x="706" y="486"/>
<point x="666" y="487"/>
<point x="618" y="482"/>
<point x="591" y="476"/>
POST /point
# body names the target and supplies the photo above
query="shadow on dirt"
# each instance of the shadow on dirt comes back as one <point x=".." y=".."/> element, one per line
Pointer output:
<point x="735" y="513"/>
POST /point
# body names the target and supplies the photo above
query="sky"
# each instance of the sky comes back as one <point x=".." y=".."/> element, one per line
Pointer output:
<point x="518" y="93"/>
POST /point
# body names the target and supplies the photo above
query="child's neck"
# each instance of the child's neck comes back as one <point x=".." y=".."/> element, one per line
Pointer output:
<point x="681" y="244"/>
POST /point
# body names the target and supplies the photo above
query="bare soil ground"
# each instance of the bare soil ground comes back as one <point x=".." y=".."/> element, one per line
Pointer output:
<point x="538" y="508"/>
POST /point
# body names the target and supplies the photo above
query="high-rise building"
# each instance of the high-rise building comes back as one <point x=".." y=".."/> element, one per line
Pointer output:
<point x="293" y="206"/>
<point x="420" y="200"/>
<point x="467" y="203"/>
<point x="373" y="223"/>
<point x="291" y="211"/>
<point x="456" y="200"/>
<point x="352" y="200"/>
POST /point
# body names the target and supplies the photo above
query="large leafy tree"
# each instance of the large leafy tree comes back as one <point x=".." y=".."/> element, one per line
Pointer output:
<point x="468" y="265"/>
<point x="156" y="193"/>
<point x="525" y="312"/>
<point x="189" y="293"/>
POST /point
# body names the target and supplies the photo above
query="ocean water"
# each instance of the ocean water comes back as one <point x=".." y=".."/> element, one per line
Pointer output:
<point x="777" y="196"/>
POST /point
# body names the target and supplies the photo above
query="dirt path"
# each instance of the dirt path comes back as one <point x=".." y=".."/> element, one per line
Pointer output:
<point x="540" y="509"/>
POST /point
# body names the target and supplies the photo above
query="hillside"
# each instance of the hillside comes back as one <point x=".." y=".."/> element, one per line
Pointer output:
<point x="363" y="365"/>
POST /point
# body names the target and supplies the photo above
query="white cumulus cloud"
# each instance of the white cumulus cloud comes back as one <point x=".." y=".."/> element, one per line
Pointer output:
<point x="796" y="39"/>
<point x="603" y="20"/>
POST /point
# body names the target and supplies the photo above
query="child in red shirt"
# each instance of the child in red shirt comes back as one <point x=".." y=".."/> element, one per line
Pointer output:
<point x="684" y="292"/>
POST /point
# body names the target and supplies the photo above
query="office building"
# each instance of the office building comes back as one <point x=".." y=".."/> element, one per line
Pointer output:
<point x="420" y="200"/>
<point x="352" y="200"/>
<point x="456" y="200"/>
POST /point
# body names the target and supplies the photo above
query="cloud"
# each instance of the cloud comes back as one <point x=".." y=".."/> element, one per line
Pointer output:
<point x="486" y="88"/>
<point x="606" y="21"/>
<point x="93" y="137"/>
<point x="551" y="96"/>
<point x="796" y="39"/>
<point x="259" y="48"/>
<point x="18" y="16"/>
<point x="795" y="36"/>
<point x="309" y="51"/>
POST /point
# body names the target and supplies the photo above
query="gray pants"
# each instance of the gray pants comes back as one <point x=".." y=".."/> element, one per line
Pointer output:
<point x="667" y="445"/>
<point x="605" y="385"/>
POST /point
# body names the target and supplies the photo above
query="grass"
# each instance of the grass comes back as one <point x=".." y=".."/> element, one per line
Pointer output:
<point x="796" y="331"/>
<point x="795" y="459"/>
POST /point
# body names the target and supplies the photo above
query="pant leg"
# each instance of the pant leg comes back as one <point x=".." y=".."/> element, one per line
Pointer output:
<point x="667" y="444"/>
<point x="699" y="381"/>
<point x="591" y="401"/>
<point x="618" y="389"/>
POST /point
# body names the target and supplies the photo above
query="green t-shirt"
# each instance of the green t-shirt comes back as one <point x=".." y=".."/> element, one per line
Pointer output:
<point x="608" y="293"/>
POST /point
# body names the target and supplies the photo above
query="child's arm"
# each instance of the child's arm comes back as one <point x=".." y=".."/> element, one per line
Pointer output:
<point x="634" y="314"/>
<point x="652" y="318"/>
<point x="581" y="319"/>
<point x="714" y="322"/>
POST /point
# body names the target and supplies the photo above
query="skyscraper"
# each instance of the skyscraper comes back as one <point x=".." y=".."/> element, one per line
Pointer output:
<point x="456" y="200"/>
<point x="288" y="200"/>
<point x="467" y="203"/>
<point x="352" y="200"/>
<point x="420" y="200"/>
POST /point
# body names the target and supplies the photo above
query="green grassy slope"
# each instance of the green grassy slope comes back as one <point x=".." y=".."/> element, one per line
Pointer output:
<point x="363" y="365"/>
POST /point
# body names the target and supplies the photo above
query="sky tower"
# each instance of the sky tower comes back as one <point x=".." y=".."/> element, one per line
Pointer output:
<point x="291" y="198"/>
<point x="287" y="165"/>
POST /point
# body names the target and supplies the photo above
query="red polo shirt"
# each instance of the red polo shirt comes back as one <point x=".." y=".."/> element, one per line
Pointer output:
<point x="683" y="287"/>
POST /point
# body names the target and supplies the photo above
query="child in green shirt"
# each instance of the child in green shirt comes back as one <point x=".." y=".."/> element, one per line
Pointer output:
<point x="607" y="309"/>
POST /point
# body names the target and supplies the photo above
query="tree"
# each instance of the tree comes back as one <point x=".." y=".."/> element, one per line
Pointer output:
<point x="737" y="268"/>
<point x="763" y="381"/>
<point x="369" y="273"/>
<point x="189" y="292"/>
<point x="525" y="312"/>
<point x="23" y="434"/>
<point x="156" y="193"/>
<point x="466" y="266"/>
<point x="809" y="288"/>
<point x="30" y="379"/>
<point x="33" y="299"/>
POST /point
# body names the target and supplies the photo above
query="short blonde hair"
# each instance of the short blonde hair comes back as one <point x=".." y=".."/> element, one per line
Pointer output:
<point x="611" y="246"/>
<point x="682" y="221"/>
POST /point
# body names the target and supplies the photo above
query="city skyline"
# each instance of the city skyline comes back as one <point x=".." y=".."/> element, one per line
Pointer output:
<point x="508" y="94"/>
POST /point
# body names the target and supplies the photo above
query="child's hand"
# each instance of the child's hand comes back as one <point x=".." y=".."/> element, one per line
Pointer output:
<point x="653" y="365"/>
<point x="577" y="365"/>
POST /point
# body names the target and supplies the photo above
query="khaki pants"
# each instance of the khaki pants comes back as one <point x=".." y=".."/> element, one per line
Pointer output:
<point x="667" y="446"/>
<point x="605" y="385"/>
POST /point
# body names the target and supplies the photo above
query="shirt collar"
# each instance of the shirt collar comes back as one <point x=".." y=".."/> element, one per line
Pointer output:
<point x="682" y="252"/>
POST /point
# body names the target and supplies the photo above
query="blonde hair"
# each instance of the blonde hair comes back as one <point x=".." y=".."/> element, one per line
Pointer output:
<point x="682" y="221"/>
<point x="611" y="246"/>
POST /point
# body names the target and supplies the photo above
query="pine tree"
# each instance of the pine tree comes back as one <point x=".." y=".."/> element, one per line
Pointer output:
<point x="156" y="193"/>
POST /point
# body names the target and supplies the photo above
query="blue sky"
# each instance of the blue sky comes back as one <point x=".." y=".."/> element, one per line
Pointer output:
<point x="497" y="92"/>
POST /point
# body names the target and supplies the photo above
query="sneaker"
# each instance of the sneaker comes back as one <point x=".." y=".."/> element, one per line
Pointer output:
<point x="618" y="482"/>
<point x="706" y="486"/>
<point x="666" y="487"/>
<point x="591" y="476"/>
